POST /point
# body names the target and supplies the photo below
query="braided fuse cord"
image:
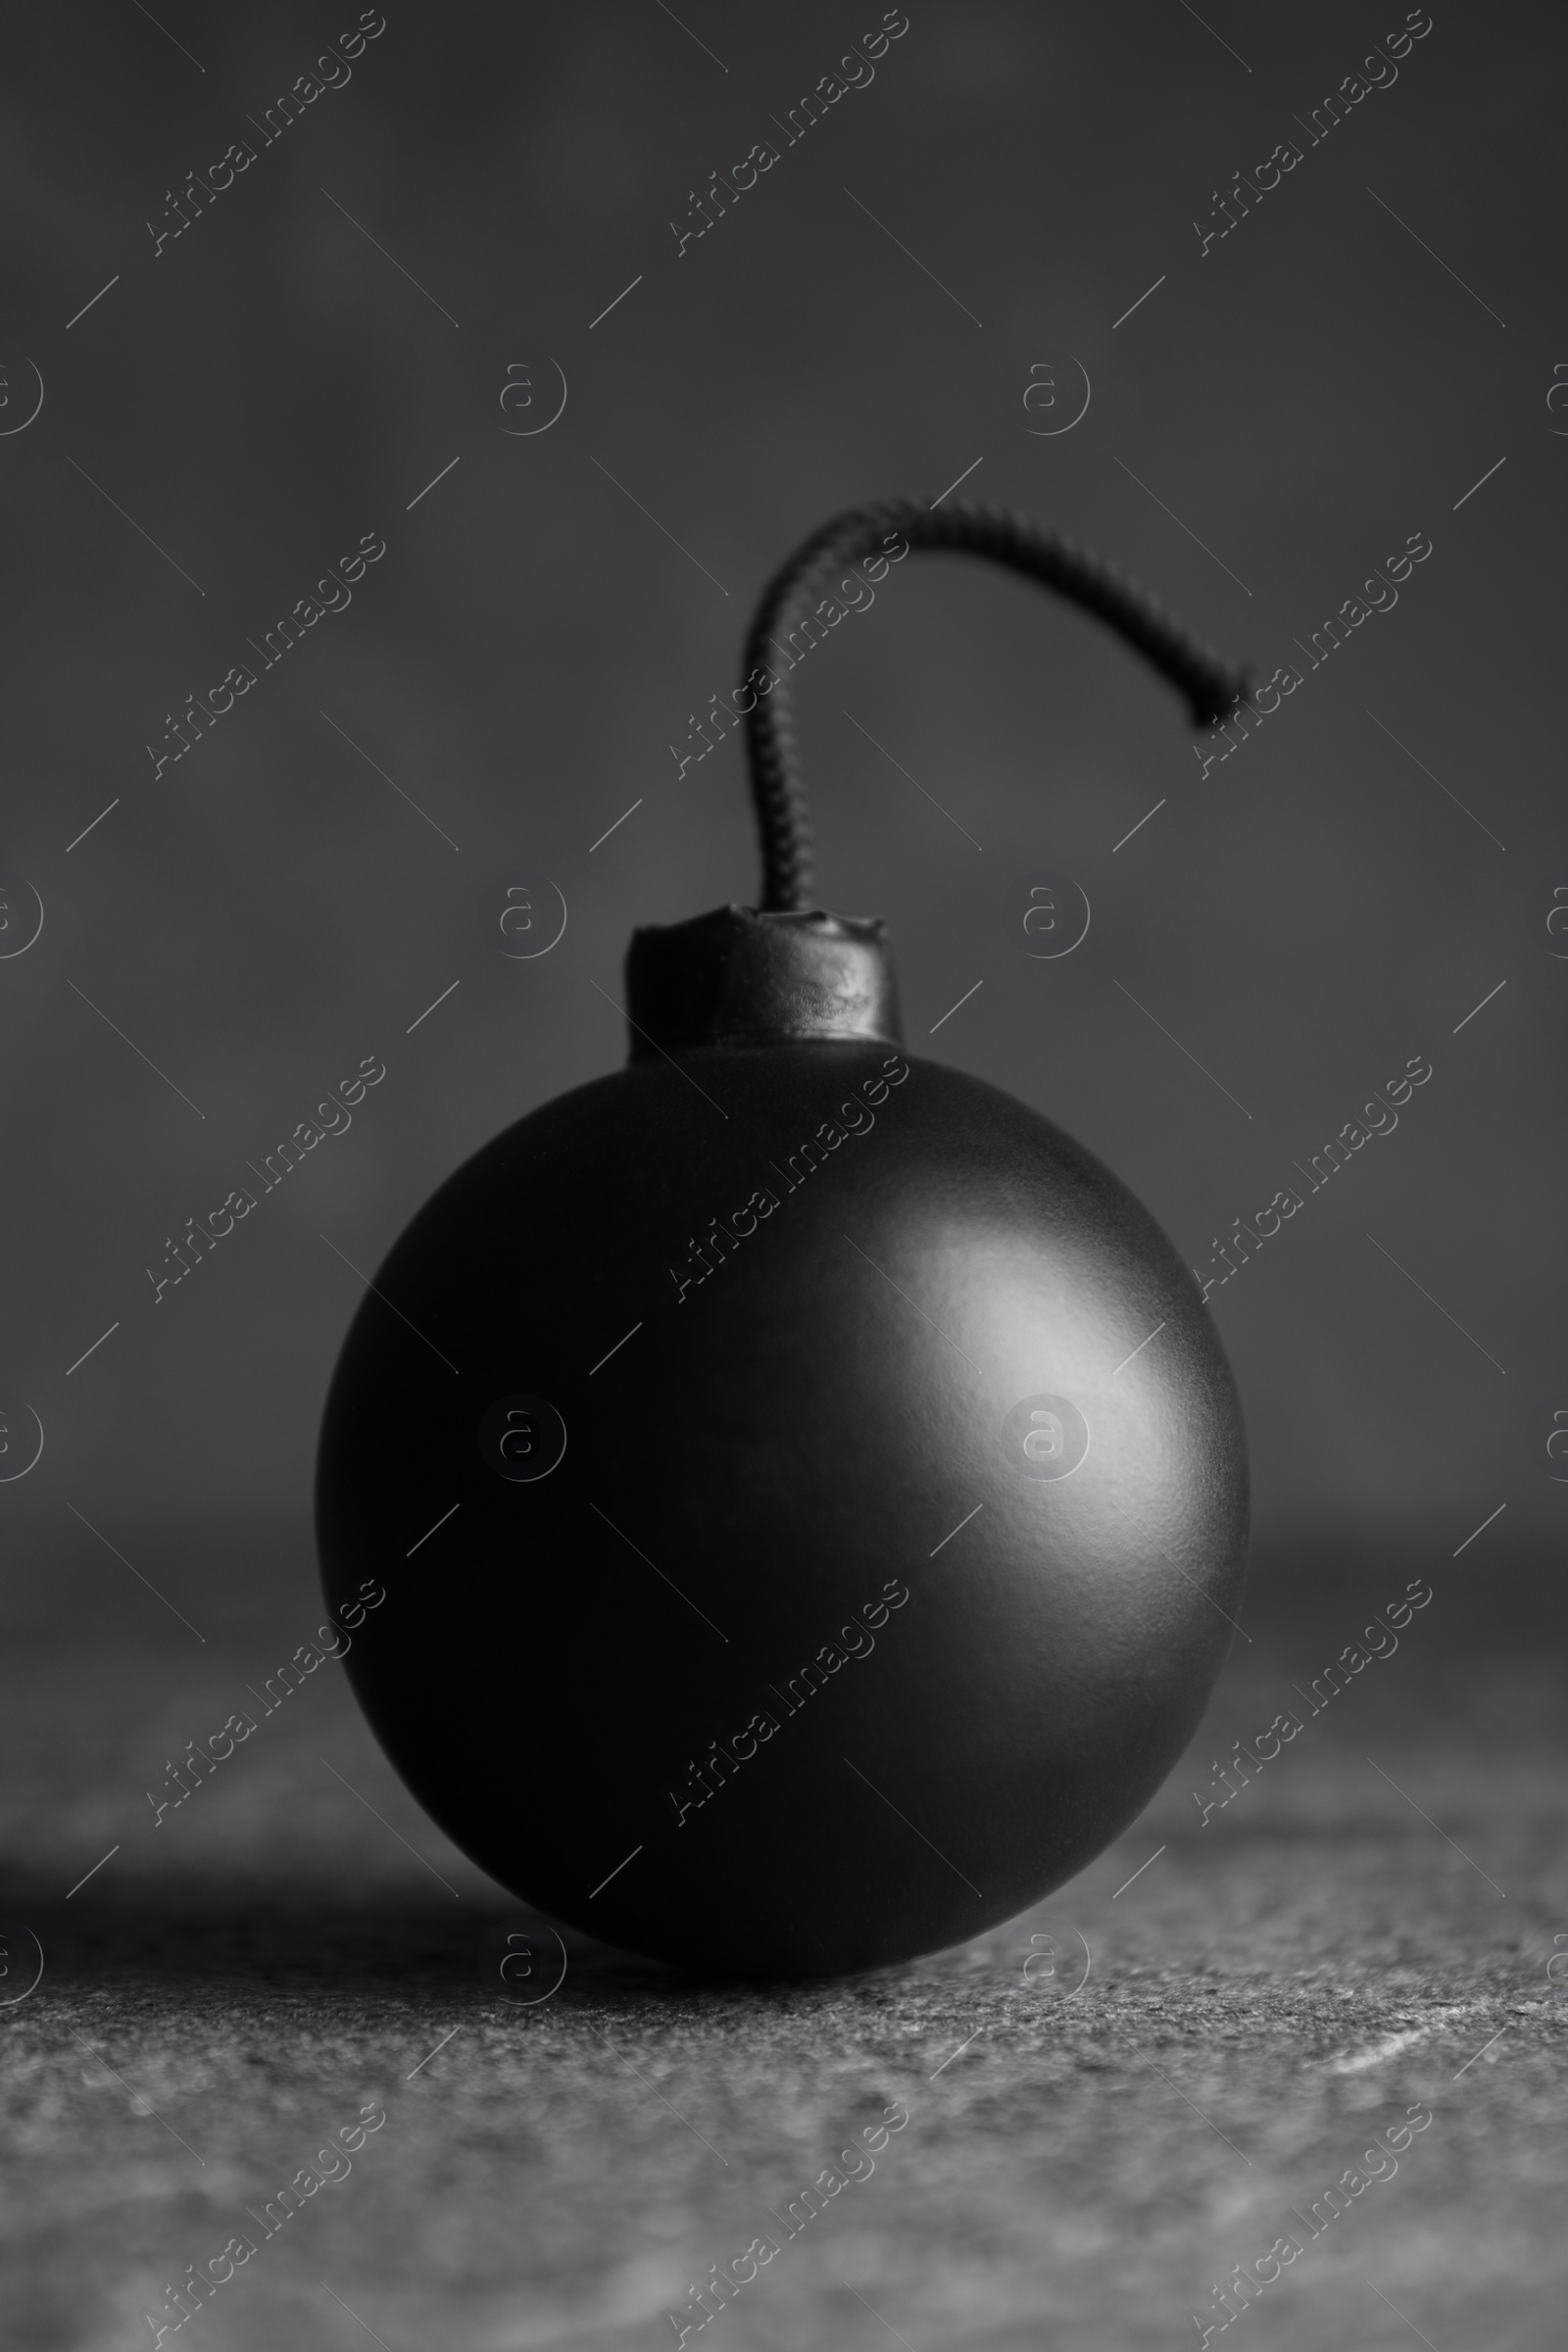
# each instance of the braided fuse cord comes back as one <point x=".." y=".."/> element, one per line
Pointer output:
<point x="1213" y="687"/>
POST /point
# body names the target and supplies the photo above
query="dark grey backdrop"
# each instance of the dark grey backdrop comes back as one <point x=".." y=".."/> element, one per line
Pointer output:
<point x="249" y="399"/>
<point x="1274" y="418"/>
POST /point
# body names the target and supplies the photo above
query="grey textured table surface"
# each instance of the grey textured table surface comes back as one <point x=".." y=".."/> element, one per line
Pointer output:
<point x="1341" y="1943"/>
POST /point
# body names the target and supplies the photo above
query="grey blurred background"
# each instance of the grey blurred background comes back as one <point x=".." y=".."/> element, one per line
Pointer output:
<point x="319" y="356"/>
<point x="330" y="334"/>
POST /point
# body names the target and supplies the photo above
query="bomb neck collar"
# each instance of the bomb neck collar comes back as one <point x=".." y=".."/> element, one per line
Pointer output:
<point x="737" y="977"/>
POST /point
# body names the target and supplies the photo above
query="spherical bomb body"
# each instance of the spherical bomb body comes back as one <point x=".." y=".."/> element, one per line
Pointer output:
<point x="842" y="1499"/>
